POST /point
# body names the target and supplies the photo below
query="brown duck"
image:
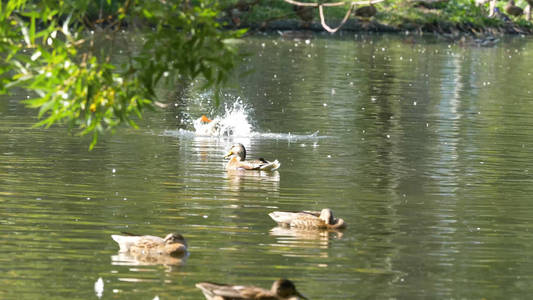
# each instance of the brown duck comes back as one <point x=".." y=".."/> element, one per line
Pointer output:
<point x="513" y="10"/>
<point x="306" y="13"/>
<point x="281" y="289"/>
<point x="237" y="161"/>
<point x="367" y="11"/>
<point x="308" y="219"/>
<point x="173" y="244"/>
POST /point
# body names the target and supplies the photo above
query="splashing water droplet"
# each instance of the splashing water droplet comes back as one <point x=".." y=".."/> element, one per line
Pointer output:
<point x="99" y="287"/>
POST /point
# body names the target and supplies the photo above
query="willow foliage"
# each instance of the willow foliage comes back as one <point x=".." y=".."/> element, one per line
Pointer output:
<point x="47" y="47"/>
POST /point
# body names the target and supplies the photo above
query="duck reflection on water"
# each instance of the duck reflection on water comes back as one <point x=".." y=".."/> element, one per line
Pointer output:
<point x="304" y="239"/>
<point x="126" y="259"/>
<point x="239" y="179"/>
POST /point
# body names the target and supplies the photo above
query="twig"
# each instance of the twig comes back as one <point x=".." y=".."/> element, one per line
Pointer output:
<point x="323" y="21"/>
<point x="321" y="10"/>
<point x="298" y="3"/>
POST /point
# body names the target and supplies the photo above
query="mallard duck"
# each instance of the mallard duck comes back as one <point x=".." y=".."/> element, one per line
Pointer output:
<point x="173" y="244"/>
<point x="513" y="10"/>
<point x="205" y="119"/>
<point x="308" y="219"/>
<point x="433" y="4"/>
<point x="296" y="34"/>
<point x="206" y="127"/>
<point x="237" y="156"/>
<point x="281" y="289"/>
<point x="306" y="13"/>
<point x="367" y="11"/>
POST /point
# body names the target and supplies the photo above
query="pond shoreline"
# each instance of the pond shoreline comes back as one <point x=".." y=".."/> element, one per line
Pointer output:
<point x="447" y="29"/>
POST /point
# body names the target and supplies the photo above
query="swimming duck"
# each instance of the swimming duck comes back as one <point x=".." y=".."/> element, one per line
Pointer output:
<point x="205" y="119"/>
<point x="281" y="289"/>
<point x="308" y="219"/>
<point x="237" y="156"/>
<point x="206" y="127"/>
<point x="173" y="244"/>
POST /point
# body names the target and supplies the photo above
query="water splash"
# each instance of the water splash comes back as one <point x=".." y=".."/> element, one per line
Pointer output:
<point x="234" y="123"/>
<point x="99" y="287"/>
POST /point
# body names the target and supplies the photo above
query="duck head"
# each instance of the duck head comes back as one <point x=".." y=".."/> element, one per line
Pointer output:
<point x="238" y="151"/>
<point x="172" y="238"/>
<point x="327" y="215"/>
<point x="284" y="288"/>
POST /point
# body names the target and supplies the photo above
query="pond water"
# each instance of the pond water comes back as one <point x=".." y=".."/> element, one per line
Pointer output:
<point x="423" y="147"/>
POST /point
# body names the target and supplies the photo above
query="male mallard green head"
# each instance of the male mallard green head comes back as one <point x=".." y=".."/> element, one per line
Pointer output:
<point x="284" y="288"/>
<point x="238" y="150"/>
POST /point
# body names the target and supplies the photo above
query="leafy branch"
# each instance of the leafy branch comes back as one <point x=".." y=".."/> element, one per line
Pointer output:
<point x="47" y="49"/>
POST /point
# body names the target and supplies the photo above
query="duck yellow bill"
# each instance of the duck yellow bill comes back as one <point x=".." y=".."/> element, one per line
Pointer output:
<point x="230" y="153"/>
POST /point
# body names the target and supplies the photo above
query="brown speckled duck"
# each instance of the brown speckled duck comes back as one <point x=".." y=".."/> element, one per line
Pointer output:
<point x="308" y="219"/>
<point x="237" y="161"/>
<point x="173" y="244"/>
<point x="513" y="10"/>
<point x="367" y="11"/>
<point x="281" y="289"/>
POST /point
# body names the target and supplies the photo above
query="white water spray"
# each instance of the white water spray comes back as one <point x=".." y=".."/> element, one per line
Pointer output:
<point x="234" y="123"/>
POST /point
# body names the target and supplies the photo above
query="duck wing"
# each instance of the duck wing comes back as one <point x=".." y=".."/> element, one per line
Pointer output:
<point x="126" y="243"/>
<point x="307" y="220"/>
<point x="219" y="291"/>
<point x="283" y="217"/>
<point x="265" y="165"/>
<point x="304" y="219"/>
<point x="236" y="164"/>
<point x="250" y="165"/>
<point x="148" y="241"/>
<point x="149" y="245"/>
<point x="270" y="166"/>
